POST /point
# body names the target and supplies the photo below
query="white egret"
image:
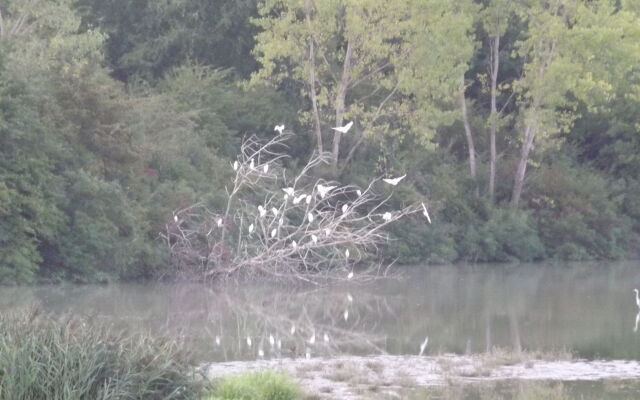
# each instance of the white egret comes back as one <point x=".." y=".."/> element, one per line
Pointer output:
<point x="272" y="340"/>
<point x="274" y="211"/>
<point x="252" y="164"/>
<point x="310" y="217"/>
<point x="314" y="238"/>
<point x="298" y="199"/>
<point x="217" y="340"/>
<point x="394" y="181"/>
<point x="280" y="221"/>
<point x="279" y="344"/>
<point x="326" y="338"/>
<point x="327" y="232"/>
<point x="359" y="192"/>
<point x="635" y="327"/>
<point x="426" y="214"/>
<point x="175" y="218"/>
<point x="262" y="211"/>
<point x="323" y="190"/>
<point x="349" y="298"/>
<point x="637" y="298"/>
<point x="346" y="253"/>
<point x="345" y="315"/>
<point x="265" y="169"/>
<point x="251" y="228"/>
<point x="294" y="244"/>
<point x="289" y="191"/>
<point x="307" y="354"/>
<point x="273" y="232"/>
<point x="312" y="339"/>
<point x="343" y="129"/>
<point x="345" y="207"/>
<point x="308" y="200"/>
<point x="260" y="353"/>
<point x="236" y="165"/>
<point x="293" y="329"/>
<point x="285" y="197"/>
<point x="386" y="216"/>
<point x="423" y="345"/>
<point x="249" y="341"/>
<point x="350" y="275"/>
<point x="219" y="222"/>
<point x="279" y="128"/>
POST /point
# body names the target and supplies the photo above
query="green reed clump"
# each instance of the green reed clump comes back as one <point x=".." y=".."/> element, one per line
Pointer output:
<point x="267" y="385"/>
<point x="42" y="357"/>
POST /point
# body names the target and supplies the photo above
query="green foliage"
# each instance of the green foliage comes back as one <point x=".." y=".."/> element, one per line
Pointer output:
<point x="267" y="385"/>
<point x="73" y="358"/>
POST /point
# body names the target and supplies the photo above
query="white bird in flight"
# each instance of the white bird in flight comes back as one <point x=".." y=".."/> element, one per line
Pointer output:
<point x="343" y="129"/>
<point x="423" y="345"/>
<point x="323" y="190"/>
<point x="279" y="128"/>
<point x="394" y="181"/>
<point x="386" y="216"/>
<point x="426" y="214"/>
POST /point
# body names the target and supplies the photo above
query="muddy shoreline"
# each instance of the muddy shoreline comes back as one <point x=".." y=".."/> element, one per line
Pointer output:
<point x="349" y="377"/>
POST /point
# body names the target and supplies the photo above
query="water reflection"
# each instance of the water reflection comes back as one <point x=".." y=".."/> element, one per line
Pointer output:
<point x="580" y="308"/>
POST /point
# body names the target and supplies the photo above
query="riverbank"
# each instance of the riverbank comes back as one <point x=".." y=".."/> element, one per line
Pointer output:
<point x="356" y="378"/>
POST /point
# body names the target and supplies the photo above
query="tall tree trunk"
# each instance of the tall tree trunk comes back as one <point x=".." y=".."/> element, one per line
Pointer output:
<point x="467" y="129"/>
<point x="340" y="99"/>
<point x="312" y="80"/>
<point x="518" y="182"/>
<point x="495" y="65"/>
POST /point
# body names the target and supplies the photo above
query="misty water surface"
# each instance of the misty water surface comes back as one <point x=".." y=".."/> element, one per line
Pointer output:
<point x="587" y="309"/>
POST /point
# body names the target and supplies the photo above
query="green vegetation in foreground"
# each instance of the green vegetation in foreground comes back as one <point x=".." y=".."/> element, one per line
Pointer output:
<point x="78" y="359"/>
<point x="266" y="385"/>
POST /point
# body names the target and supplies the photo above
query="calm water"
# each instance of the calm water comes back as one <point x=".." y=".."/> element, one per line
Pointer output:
<point x="589" y="310"/>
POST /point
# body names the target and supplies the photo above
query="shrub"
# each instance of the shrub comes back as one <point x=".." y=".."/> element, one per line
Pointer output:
<point x="267" y="385"/>
<point x="46" y="358"/>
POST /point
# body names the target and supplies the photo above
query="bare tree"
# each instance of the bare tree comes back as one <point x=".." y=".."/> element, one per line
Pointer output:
<point x="298" y="228"/>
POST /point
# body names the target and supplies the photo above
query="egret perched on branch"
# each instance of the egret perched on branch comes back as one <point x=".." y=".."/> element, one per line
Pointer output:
<point x="312" y="339"/>
<point x="265" y="169"/>
<point x="251" y="228"/>
<point x="350" y="275"/>
<point x="262" y="211"/>
<point x="343" y="129"/>
<point x="272" y="340"/>
<point x="294" y="244"/>
<point x="279" y="128"/>
<point x="252" y="164"/>
<point x="308" y="200"/>
<point x="274" y="211"/>
<point x="298" y="199"/>
<point x="289" y="191"/>
<point x="236" y="165"/>
<point x="359" y="192"/>
<point x="344" y="208"/>
<point x="345" y="315"/>
<point x="314" y="239"/>
<point x="346" y="253"/>
<point x="394" y="181"/>
<point x="175" y="218"/>
<point x="426" y="214"/>
<point x="273" y="232"/>
<point x="386" y="216"/>
<point x="310" y="217"/>
<point x="323" y="190"/>
<point x="219" y="222"/>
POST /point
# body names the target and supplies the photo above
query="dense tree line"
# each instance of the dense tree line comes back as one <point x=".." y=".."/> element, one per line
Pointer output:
<point x="516" y="121"/>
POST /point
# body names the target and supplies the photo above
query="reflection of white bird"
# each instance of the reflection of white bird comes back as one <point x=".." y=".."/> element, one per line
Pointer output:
<point x="394" y="181"/>
<point x="219" y="222"/>
<point x="251" y="228"/>
<point x="386" y="216"/>
<point x="236" y="165"/>
<point x="262" y="211"/>
<point x="423" y="345"/>
<point x="279" y="128"/>
<point x="349" y="298"/>
<point x="323" y="190"/>
<point x="307" y="354"/>
<point x="249" y="341"/>
<point x="289" y="191"/>
<point x="274" y="211"/>
<point x="272" y="340"/>
<point x="343" y="129"/>
<point x="252" y="164"/>
<point x="265" y="169"/>
<point x="635" y="328"/>
<point x="637" y="298"/>
<point x="260" y="353"/>
<point x="350" y="275"/>
<point x="310" y="217"/>
<point x="312" y="339"/>
<point x="273" y="232"/>
<point x="217" y="340"/>
<point x="279" y="344"/>
<point x="426" y="214"/>
<point x="345" y="315"/>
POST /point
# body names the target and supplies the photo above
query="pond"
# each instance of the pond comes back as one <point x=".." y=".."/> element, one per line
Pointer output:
<point x="586" y="309"/>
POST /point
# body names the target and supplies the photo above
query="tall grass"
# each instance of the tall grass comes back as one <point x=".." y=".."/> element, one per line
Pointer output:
<point x="79" y="359"/>
<point x="267" y="385"/>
